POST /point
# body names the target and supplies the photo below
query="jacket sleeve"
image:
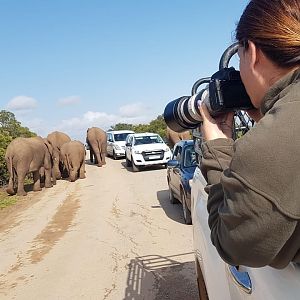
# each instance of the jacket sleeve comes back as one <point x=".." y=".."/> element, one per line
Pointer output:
<point x="246" y="228"/>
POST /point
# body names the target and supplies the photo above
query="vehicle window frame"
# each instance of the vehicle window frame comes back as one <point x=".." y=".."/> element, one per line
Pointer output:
<point x="183" y="157"/>
<point x="178" y="149"/>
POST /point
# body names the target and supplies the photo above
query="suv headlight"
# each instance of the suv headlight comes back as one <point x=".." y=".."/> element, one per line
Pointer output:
<point x="117" y="147"/>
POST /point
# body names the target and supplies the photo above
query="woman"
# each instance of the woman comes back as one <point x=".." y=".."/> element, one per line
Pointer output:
<point x="254" y="182"/>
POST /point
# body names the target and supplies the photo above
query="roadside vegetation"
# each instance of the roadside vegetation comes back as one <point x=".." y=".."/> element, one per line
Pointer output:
<point x="6" y="200"/>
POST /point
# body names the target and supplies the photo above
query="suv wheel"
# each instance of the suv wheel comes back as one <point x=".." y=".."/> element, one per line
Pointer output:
<point x="135" y="168"/>
<point x="186" y="212"/>
<point x="128" y="162"/>
<point x="114" y="155"/>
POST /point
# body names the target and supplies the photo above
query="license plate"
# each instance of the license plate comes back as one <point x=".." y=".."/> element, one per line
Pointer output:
<point x="154" y="157"/>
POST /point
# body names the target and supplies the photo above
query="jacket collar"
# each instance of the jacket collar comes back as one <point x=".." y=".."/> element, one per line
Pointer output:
<point x="279" y="89"/>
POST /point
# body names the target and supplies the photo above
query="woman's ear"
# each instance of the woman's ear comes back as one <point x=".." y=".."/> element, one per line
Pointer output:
<point x="253" y="55"/>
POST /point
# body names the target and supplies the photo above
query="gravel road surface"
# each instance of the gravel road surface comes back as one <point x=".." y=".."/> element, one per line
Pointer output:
<point x="113" y="235"/>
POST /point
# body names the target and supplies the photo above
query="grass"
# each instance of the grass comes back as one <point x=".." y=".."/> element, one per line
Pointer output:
<point x="6" y="200"/>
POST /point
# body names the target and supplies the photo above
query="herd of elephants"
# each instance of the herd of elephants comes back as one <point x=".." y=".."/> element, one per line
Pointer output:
<point x="57" y="156"/>
<point x="51" y="158"/>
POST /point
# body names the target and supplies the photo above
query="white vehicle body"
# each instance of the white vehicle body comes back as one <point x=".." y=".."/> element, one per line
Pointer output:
<point x="227" y="282"/>
<point x="116" y="142"/>
<point x="145" y="149"/>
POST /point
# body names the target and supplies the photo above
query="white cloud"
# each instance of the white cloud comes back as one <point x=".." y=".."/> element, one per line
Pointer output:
<point x="22" y="103"/>
<point x="133" y="110"/>
<point x="69" y="101"/>
<point x="76" y="127"/>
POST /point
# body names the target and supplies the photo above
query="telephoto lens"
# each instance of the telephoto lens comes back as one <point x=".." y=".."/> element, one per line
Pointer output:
<point x="183" y="113"/>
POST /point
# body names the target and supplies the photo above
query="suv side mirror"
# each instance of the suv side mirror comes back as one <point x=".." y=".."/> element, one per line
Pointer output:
<point x="173" y="163"/>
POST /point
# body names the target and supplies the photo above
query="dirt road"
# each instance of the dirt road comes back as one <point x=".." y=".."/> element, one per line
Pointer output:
<point x="113" y="235"/>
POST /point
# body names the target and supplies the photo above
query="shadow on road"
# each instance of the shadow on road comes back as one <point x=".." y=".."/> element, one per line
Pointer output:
<point x="161" y="277"/>
<point x="173" y="211"/>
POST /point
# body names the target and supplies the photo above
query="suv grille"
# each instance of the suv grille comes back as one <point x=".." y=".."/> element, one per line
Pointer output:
<point x="153" y="155"/>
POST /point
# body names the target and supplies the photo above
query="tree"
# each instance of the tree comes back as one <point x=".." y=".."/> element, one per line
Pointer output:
<point x="12" y="127"/>
<point x="159" y="126"/>
<point x="122" y="126"/>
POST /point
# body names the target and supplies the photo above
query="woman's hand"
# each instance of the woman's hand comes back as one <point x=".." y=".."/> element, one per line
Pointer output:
<point x="218" y="127"/>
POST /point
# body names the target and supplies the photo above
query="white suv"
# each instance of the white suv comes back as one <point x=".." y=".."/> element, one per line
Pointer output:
<point x="144" y="149"/>
<point x="116" y="142"/>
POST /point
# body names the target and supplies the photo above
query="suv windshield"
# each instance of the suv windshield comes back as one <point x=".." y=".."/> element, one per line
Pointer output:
<point x="189" y="157"/>
<point x="120" y="136"/>
<point x="150" y="139"/>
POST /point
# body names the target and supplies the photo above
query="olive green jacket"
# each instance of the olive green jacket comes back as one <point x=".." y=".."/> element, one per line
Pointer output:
<point x="254" y="184"/>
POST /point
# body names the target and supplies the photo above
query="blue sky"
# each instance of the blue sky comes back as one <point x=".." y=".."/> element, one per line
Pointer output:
<point x="68" y="64"/>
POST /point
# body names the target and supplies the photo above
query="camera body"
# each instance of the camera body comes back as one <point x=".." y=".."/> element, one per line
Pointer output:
<point x="225" y="92"/>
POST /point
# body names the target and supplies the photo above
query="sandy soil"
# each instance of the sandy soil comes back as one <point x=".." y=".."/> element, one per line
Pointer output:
<point x="113" y="235"/>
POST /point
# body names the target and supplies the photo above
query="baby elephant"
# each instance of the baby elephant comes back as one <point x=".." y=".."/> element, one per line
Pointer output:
<point x="72" y="154"/>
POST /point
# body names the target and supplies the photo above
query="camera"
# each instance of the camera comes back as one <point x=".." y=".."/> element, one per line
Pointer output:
<point x="224" y="92"/>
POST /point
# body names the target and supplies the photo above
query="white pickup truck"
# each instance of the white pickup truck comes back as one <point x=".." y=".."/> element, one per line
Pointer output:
<point x="146" y="149"/>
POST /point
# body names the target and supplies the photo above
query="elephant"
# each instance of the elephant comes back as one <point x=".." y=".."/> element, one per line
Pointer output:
<point x="72" y="154"/>
<point x="26" y="155"/>
<point x="97" y="141"/>
<point x="174" y="137"/>
<point x="56" y="140"/>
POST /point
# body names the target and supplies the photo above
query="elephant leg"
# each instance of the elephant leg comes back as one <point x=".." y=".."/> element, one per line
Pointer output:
<point x="42" y="174"/>
<point x="91" y="156"/>
<point x="10" y="188"/>
<point x="57" y="170"/>
<point x="82" y="171"/>
<point x="73" y="174"/>
<point x="36" y="181"/>
<point x="103" y="155"/>
<point x="97" y="158"/>
<point x="21" y="178"/>
<point x="53" y="176"/>
<point x="48" y="183"/>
